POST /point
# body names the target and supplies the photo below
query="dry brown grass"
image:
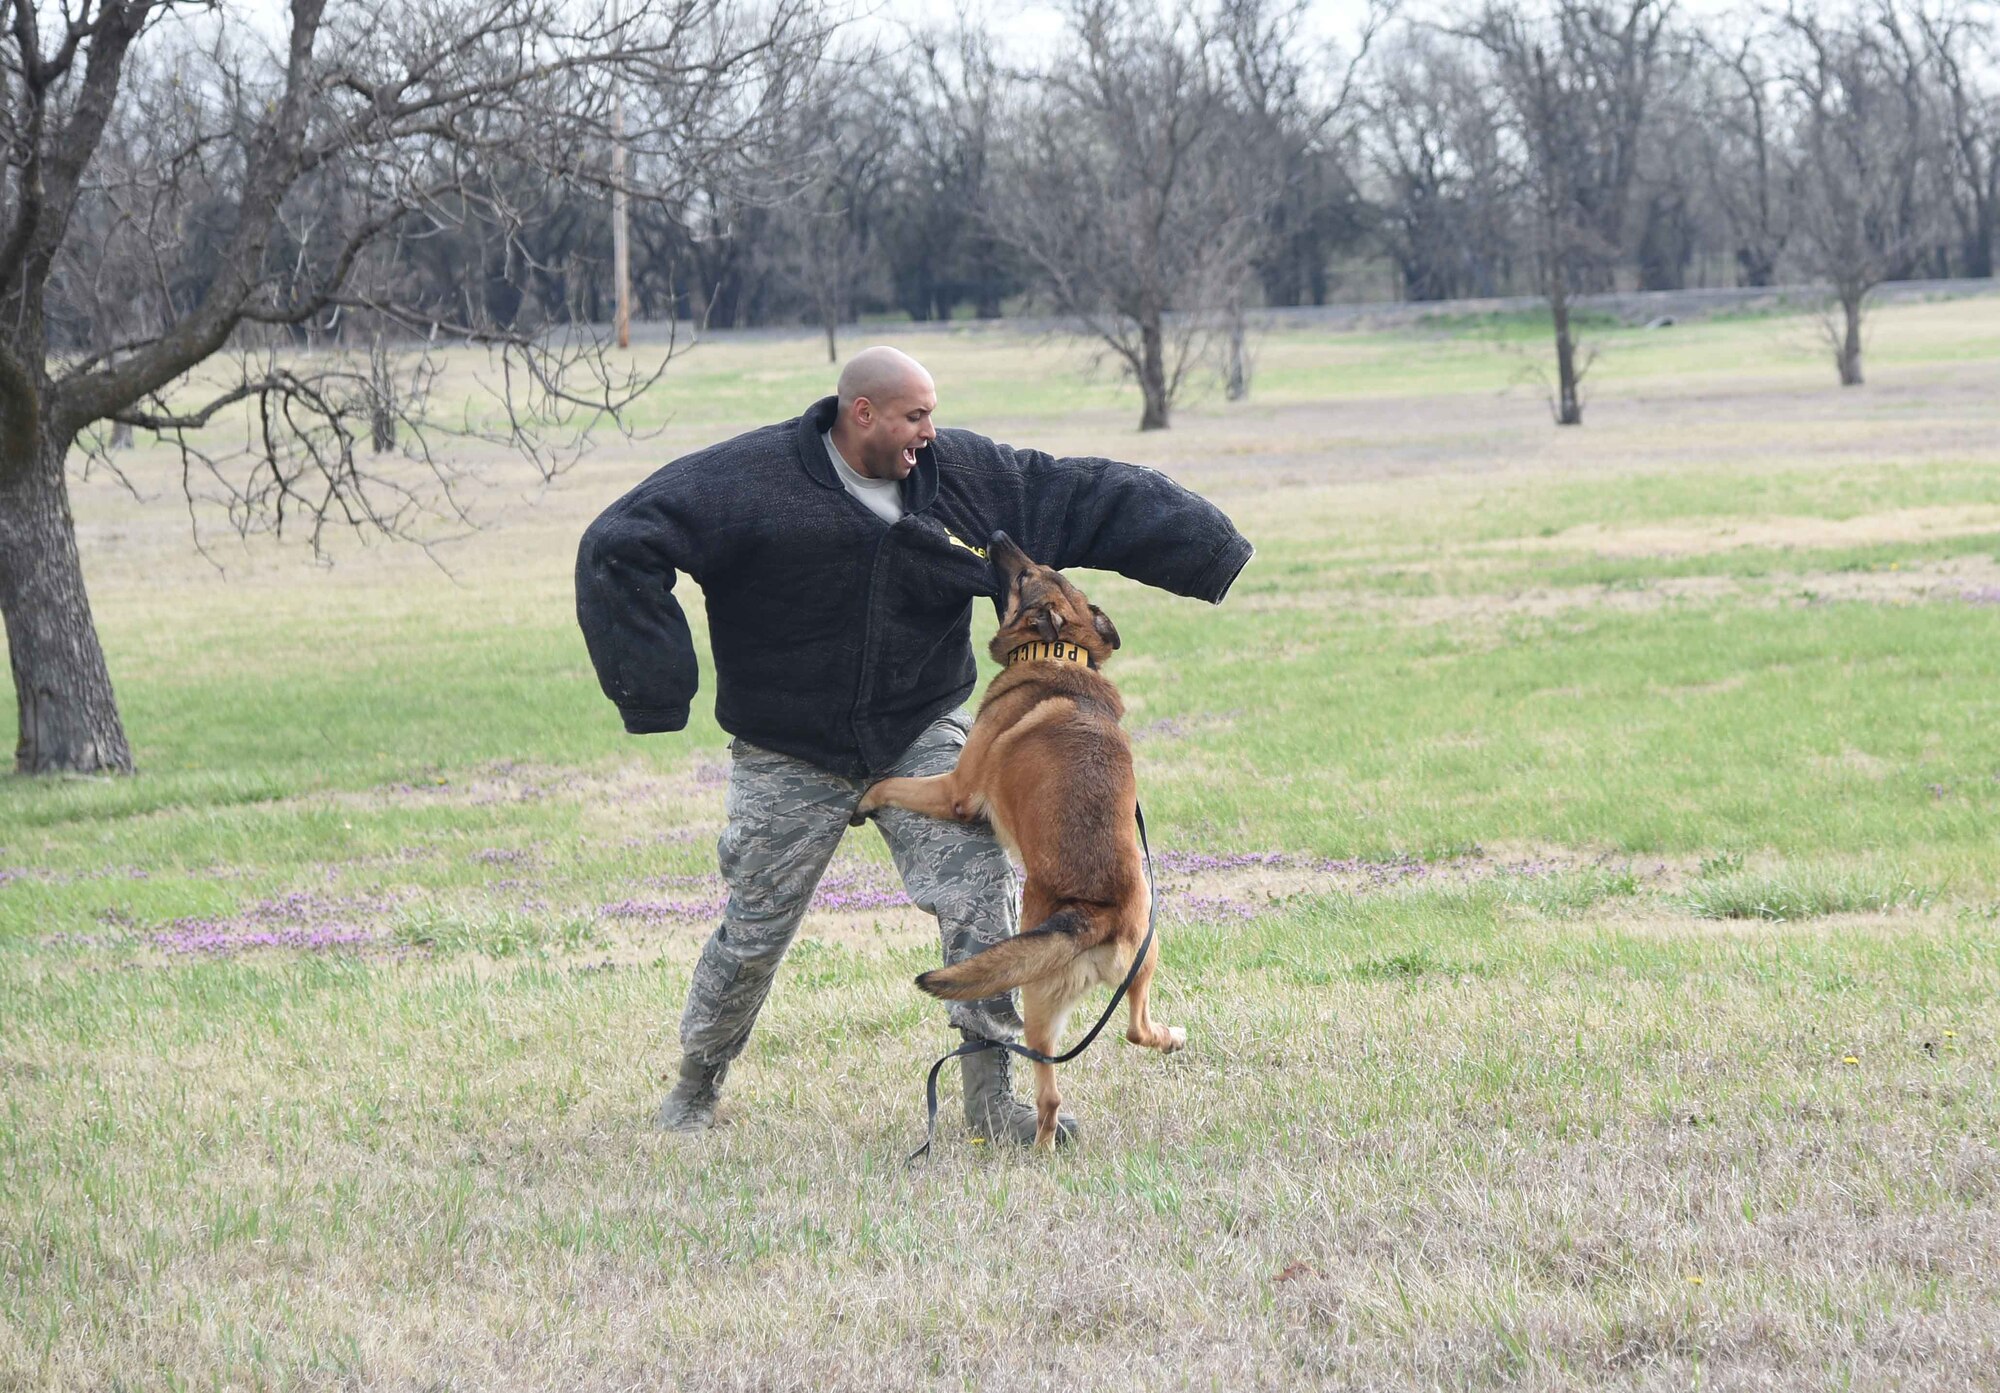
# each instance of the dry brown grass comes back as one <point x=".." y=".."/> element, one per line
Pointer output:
<point x="1614" y="1180"/>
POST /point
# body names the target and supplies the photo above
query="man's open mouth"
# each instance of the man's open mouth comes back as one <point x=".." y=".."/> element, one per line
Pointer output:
<point x="910" y="456"/>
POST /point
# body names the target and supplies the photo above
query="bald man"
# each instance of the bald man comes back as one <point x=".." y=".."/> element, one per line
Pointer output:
<point x="840" y="554"/>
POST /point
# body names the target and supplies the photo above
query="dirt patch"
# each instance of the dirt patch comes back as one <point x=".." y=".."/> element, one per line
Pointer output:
<point x="1181" y="727"/>
<point x="504" y="782"/>
<point x="1956" y="580"/>
<point x="1855" y="761"/>
<point x="1230" y="886"/>
<point x="1697" y="689"/>
<point x="1657" y="919"/>
<point x="1714" y="535"/>
<point x="859" y="905"/>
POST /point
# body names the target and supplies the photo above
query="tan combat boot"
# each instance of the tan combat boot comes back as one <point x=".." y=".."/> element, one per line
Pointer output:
<point x="691" y="1106"/>
<point x="992" y="1112"/>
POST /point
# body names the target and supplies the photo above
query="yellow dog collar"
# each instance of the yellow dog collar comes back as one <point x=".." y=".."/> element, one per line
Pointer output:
<point x="1048" y="652"/>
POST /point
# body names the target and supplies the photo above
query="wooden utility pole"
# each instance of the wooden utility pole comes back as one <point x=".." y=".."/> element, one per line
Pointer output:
<point x="621" y="258"/>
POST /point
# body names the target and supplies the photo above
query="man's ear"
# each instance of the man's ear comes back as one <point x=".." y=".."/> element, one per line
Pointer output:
<point x="1048" y="624"/>
<point x="1106" y="630"/>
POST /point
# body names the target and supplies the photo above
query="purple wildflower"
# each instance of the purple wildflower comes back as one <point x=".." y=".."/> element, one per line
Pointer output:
<point x="843" y="891"/>
<point x="849" y="890"/>
<point x="1209" y="907"/>
<point x="220" y="939"/>
<point x="654" y="911"/>
<point x="1201" y="862"/>
<point x="300" y="919"/>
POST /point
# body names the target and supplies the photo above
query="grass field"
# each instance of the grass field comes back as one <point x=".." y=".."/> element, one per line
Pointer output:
<point x="1579" y="883"/>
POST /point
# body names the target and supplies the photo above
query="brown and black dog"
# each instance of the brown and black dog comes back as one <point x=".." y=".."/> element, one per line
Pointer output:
<point x="1049" y="766"/>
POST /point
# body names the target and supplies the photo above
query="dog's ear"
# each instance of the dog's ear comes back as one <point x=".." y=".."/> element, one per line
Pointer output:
<point x="1048" y="623"/>
<point x="1106" y="630"/>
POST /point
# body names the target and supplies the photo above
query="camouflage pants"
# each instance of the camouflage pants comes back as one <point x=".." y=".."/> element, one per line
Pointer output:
<point x="785" y="819"/>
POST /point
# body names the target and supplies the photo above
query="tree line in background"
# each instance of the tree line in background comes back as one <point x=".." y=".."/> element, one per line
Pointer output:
<point x="1182" y="162"/>
<point x="191" y="198"/>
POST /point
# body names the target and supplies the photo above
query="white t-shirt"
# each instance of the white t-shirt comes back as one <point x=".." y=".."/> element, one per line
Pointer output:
<point x="881" y="497"/>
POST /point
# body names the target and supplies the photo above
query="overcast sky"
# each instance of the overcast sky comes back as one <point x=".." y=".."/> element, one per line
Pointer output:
<point x="1038" y="25"/>
<point x="1032" y="28"/>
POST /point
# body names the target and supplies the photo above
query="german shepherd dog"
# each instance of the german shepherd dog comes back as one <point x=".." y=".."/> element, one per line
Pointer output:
<point x="1047" y="764"/>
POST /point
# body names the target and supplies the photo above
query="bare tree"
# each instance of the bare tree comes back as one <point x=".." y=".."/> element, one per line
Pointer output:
<point x="843" y="140"/>
<point x="1298" y="103"/>
<point x="1576" y="86"/>
<point x="1128" y="197"/>
<point x="940" y="245"/>
<point x="1293" y="150"/>
<point x="709" y="253"/>
<point x="1751" y="179"/>
<point x="1963" y="57"/>
<point x="1442" y="187"/>
<point x="1670" y="222"/>
<point x="1865" y="158"/>
<point x="258" y="187"/>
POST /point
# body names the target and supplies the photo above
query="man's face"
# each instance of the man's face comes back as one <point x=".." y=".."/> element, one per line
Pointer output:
<point x="894" y="428"/>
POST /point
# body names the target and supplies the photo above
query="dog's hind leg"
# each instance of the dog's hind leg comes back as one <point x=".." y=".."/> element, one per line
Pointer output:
<point x="1140" y="1028"/>
<point x="1044" y="1006"/>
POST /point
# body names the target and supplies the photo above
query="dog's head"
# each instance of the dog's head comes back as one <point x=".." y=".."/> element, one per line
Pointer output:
<point x="1037" y="603"/>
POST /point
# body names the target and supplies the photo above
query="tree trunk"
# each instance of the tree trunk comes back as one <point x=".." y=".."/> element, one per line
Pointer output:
<point x="381" y="398"/>
<point x="1847" y="354"/>
<point x="1238" y="386"/>
<point x="1569" y="409"/>
<point x="1153" y="374"/>
<point x="832" y="343"/>
<point x="62" y="689"/>
<point x="1754" y="267"/>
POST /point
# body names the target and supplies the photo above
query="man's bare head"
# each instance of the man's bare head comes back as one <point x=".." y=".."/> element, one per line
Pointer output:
<point x="879" y="374"/>
<point x="886" y="401"/>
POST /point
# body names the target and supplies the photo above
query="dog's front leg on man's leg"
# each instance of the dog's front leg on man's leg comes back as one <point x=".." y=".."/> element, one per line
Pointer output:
<point x="933" y="796"/>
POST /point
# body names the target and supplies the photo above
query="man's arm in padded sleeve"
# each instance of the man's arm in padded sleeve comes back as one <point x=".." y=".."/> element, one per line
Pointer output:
<point x="634" y="627"/>
<point x="1129" y="519"/>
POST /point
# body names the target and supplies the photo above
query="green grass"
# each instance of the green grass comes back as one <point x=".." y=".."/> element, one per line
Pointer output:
<point x="1608" y="1005"/>
<point x="1804" y="891"/>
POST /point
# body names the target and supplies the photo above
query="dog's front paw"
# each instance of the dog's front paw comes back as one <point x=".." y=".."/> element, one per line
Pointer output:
<point x="866" y="808"/>
<point x="1176" y="1038"/>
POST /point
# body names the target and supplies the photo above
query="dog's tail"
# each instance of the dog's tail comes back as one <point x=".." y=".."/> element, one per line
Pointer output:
<point x="1048" y="947"/>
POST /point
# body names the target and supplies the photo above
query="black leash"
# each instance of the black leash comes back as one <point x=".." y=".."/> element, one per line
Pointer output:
<point x="980" y="1044"/>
